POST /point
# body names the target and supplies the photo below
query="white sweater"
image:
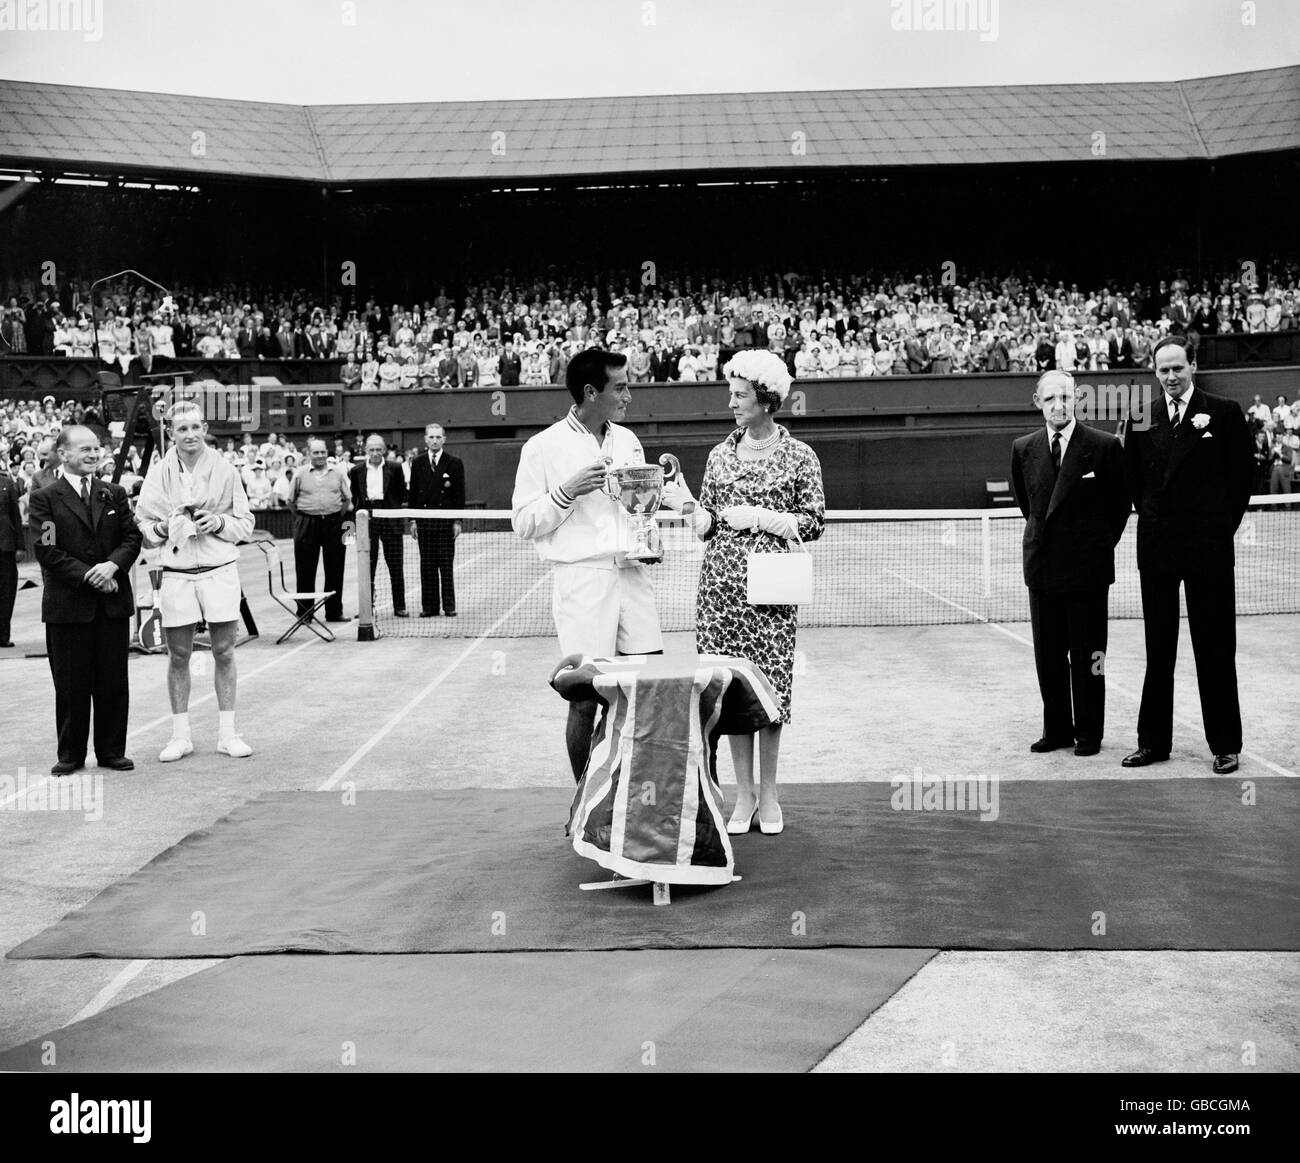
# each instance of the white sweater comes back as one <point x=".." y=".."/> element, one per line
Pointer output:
<point x="593" y="528"/>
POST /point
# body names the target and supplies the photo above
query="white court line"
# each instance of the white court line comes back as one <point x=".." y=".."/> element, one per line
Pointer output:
<point x="1111" y="684"/>
<point x="378" y="736"/>
<point x="243" y="678"/>
<point x="109" y="992"/>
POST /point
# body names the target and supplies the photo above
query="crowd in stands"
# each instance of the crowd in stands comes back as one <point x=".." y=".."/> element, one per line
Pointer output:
<point x="523" y="331"/>
<point x="266" y="463"/>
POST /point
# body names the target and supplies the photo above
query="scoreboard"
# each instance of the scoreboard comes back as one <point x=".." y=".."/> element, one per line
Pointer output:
<point x="300" y="412"/>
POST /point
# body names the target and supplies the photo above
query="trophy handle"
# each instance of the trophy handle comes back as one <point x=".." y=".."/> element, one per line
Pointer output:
<point x="671" y="465"/>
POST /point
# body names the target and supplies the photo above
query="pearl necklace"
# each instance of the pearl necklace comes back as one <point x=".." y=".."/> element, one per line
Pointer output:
<point x="759" y="445"/>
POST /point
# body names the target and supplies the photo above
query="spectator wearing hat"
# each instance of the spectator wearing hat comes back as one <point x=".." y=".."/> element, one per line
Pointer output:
<point x="261" y="495"/>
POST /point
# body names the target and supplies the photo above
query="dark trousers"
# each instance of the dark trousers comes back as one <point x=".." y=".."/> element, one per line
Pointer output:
<point x="437" y="551"/>
<point x="313" y="538"/>
<point x="88" y="662"/>
<point x="390" y="541"/>
<point x="8" y="591"/>
<point x="1070" y="654"/>
<point x="1212" y="619"/>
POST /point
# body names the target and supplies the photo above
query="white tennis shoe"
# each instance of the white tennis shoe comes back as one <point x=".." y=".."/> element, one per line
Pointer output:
<point x="175" y="749"/>
<point x="235" y="747"/>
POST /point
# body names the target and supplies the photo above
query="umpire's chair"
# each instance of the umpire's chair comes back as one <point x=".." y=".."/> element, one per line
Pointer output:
<point x="289" y="599"/>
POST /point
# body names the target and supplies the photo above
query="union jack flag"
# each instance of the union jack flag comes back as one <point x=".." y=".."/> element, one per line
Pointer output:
<point x="649" y="804"/>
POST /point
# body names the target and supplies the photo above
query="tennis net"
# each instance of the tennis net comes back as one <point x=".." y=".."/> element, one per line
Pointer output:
<point x="871" y="568"/>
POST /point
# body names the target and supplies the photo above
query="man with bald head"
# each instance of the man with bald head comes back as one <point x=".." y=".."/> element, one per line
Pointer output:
<point x="380" y="483"/>
<point x="86" y="542"/>
<point x="1070" y="484"/>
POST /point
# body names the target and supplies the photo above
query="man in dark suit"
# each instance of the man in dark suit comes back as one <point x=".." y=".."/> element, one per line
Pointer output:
<point x="1121" y="349"/>
<point x="508" y="365"/>
<point x="1189" y="471"/>
<point x="11" y="541"/>
<point x="379" y="483"/>
<point x="437" y="482"/>
<point x="86" y="541"/>
<point x="1069" y="482"/>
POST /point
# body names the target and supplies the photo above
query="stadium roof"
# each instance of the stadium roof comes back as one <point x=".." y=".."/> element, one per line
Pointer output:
<point x="109" y="130"/>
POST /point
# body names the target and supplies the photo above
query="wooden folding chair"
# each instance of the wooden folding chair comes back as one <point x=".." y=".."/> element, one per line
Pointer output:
<point x="289" y="599"/>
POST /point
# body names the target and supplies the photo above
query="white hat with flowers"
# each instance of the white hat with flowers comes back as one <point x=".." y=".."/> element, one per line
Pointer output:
<point x="764" y="369"/>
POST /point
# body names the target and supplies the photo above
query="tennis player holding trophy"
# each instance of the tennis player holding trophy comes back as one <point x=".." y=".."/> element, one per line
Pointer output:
<point x="585" y="497"/>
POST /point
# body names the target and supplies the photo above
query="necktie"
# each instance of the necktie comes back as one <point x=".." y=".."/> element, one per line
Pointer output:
<point x="1056" y="451"/>
<point x="85" y="492"/>
<point x="1178" y="414"/>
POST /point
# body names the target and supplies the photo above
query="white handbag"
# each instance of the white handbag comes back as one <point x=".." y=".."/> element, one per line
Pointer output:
<point x="779" y="579"/>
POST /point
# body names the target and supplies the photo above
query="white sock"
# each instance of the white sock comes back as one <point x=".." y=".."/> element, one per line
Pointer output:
<point x="227" y="727"/>
<point x="181" y="725"/>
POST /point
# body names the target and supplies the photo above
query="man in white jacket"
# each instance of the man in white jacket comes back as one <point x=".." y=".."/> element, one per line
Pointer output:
<point x="193" y="508"/>
<point x="602" y="603"/>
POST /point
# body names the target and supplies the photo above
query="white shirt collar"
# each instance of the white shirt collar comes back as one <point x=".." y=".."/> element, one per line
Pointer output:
<point x="1184" y="401"/>
<point x="72" y="478"/>
<point x="1066" y="432"/>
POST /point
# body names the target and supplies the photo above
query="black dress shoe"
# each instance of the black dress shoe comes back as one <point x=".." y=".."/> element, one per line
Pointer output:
<point x="400" y="614"/>
<point x="1144" y="757"/>
<point x="6" y="643"/>
<point x="450" y="614"/>
<point x="428" y="613"/>
<point x="338" y="619"/>
<point x="1087" y="748"/>
<point x="121" y="763"/>
<point x="1225" y="764"/>
<point x="66" y="768"/>
<point x="1046" y="744"/>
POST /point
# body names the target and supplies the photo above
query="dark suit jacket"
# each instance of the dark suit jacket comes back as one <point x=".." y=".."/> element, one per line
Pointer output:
<point x="394" y="485"/>
<point x="1191" y="490"/>
<point x="508" y="366"/>
<point x="1074" y="520"/>
<point x="11" y="523"/>
<point x="443" y="490"/>
<point x="69" y="541"/>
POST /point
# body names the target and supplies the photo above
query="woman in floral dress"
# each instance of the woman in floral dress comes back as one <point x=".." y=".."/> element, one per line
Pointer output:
<point x="761" y="489"/>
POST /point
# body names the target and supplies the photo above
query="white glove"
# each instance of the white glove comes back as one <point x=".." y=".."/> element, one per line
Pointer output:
<point x="180" y="528"/>
<point x="676" y="494"/>
<point x="741" y="516"/>
<point x="766" y="520"/>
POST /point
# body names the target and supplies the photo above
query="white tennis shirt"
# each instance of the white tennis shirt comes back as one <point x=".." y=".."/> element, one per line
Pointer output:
<point x="591" y="528"/>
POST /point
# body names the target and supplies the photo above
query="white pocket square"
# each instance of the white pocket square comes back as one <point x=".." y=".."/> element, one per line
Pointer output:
<point x="1207" y="435"/>
<point x="1089" y="476"/>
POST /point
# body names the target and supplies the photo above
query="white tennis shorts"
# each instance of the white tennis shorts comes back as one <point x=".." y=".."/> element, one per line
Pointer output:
<point x="601" y="610"/>
<point x="186" y="598"/>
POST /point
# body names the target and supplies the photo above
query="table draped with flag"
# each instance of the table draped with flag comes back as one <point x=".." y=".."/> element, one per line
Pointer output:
<point x="649" y="804"/>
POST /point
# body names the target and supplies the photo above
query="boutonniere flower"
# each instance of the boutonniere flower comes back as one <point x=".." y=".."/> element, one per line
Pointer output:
<point x="105" y="495"/>
<point x="1200" y="420"/>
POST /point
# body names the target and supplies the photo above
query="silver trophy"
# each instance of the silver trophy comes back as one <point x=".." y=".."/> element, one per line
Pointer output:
<point x="639" y="488"/>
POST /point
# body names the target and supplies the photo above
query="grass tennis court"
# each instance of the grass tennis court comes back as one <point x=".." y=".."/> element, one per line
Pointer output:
<point x="871" y="704"/>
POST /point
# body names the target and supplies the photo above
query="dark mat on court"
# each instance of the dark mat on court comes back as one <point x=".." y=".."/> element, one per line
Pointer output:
<point x="1162" y="864"/>
<point x="646" y="1010"/>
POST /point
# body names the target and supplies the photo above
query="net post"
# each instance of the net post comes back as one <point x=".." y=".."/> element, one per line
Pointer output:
<point x="986" y="535"/>
<point x="365" y="599"/>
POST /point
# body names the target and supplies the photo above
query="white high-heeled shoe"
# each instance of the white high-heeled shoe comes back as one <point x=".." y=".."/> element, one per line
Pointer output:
<point x="741" y="822"/>
<point x="775" y="827"/>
